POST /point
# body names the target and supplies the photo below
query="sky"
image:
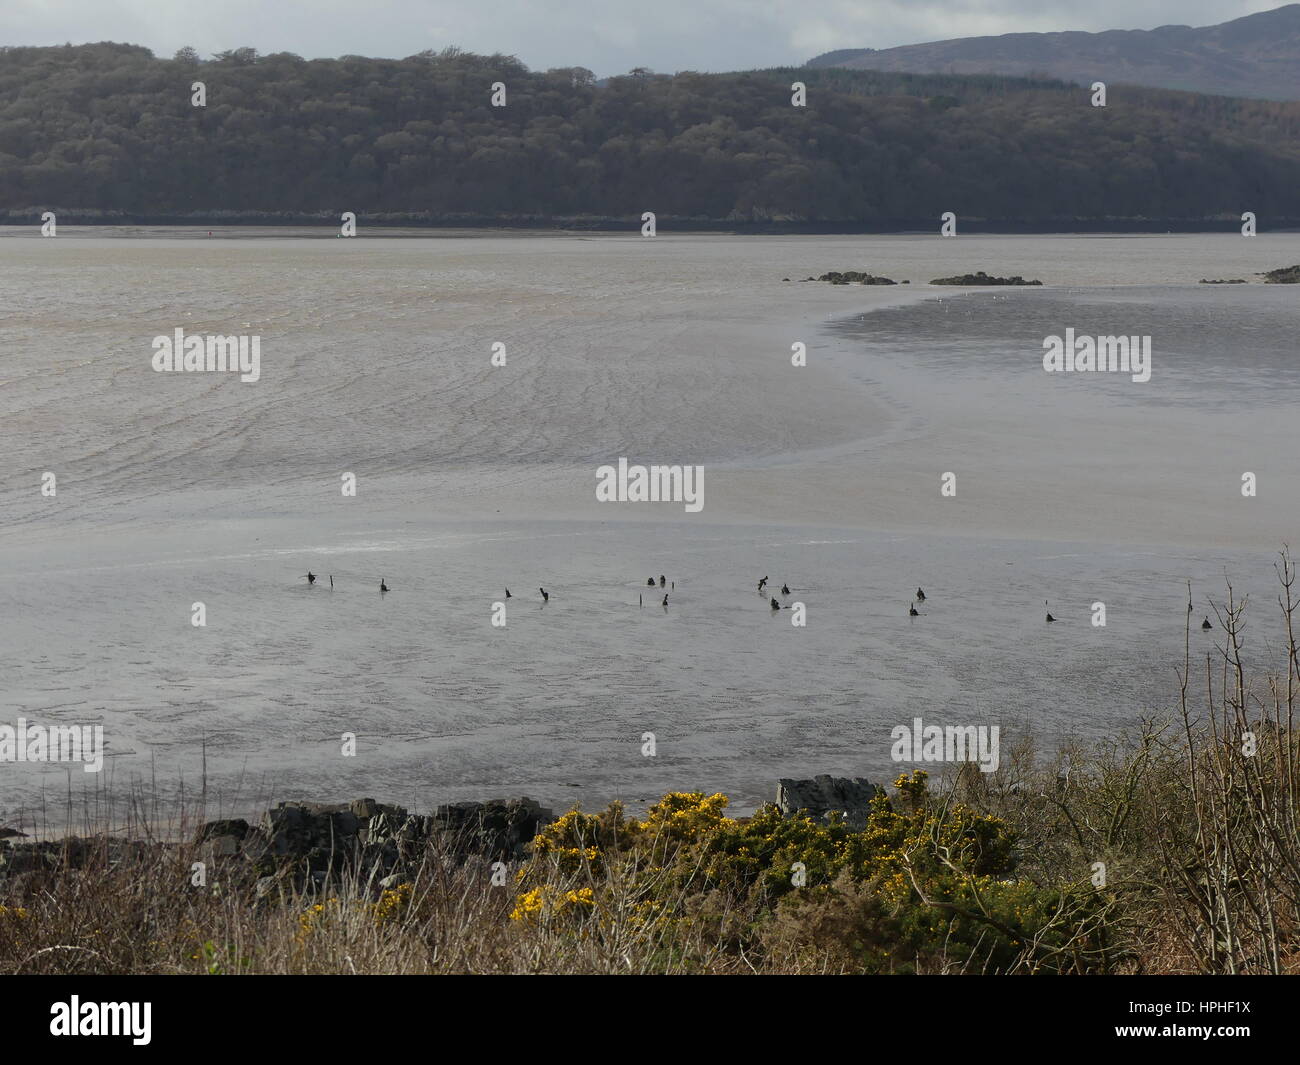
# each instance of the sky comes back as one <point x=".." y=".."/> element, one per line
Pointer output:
<point x="607" y="36"/>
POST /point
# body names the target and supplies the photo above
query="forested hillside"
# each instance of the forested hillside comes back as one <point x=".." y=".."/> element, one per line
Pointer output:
<point x="108" y="130"/>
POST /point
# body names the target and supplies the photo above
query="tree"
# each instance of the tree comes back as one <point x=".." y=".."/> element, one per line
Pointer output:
<point x="237" y="56"/>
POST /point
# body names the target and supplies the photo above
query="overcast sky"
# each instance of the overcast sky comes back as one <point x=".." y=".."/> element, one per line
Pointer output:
<point x="609" y="36"/>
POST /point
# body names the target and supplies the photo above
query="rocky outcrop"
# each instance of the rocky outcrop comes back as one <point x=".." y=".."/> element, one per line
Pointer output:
<point x="498" y="829"/>
<point x="855" y="277"/>
<point x="381" y="839"/>
<point x="302" y="845"/>
<point x="981" y="278"/>
<point x="1283" y="275"/>
<point x="822" y="794"/>
<point x="214" y="829"/>
<point x="20" y="860"/>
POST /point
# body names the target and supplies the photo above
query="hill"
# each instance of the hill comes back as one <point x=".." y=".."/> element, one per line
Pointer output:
<point x="1258" y="55"/>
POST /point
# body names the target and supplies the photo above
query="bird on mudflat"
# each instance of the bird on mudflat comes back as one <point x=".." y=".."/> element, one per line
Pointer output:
<point x="912" y="611"/>
<point x="920" y="596"/>
<point x="1206" y="624"/>
<point x="1049" y="612"/>
<point x="546" y="598"/>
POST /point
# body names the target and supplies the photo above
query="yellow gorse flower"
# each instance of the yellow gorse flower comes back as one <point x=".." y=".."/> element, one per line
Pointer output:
<point x="392" y="904"/>
<point x="542" y="902"/>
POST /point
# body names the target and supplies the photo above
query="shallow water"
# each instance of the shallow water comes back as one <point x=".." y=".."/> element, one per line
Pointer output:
<point x="175" y="489"/>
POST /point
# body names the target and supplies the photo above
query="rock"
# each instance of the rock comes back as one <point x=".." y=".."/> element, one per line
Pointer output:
<point x="285" y="817"/>
<point x="302" y="844"/>
<point x="281" y="844"/>
<point x="212" y="829"/>
<point x="1283" y="275"/>
<point x="28" y="858"/>
<point x="824" y="793"/>
<point x="364" y="808"/>
<point x="381" y="827"/>
<point x="854" y="277"/>
<point x="223" y="847"/>
<point x="74" y="853"/>
<point x="343" y="823"/>
<point x="981" y="278"/>
<point x="498" y="829"/>
<point x="302" y="828"/>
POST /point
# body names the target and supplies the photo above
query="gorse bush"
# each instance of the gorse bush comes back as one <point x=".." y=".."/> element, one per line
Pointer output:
<point x="919" y="880"/>
<point x="690" y="832"/>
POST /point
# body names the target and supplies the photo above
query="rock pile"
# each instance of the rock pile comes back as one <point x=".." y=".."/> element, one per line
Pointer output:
<point x="373" y="837"/>
<point x="854" y="277"/>
<point x="299" y="844"/>
<point x="981" y="278"/>
<point x="818" y="797"/>
<point x="1283" y="275"/>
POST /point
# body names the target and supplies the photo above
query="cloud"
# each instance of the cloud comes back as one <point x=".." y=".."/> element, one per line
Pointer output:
<point x="609" y="36"/>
